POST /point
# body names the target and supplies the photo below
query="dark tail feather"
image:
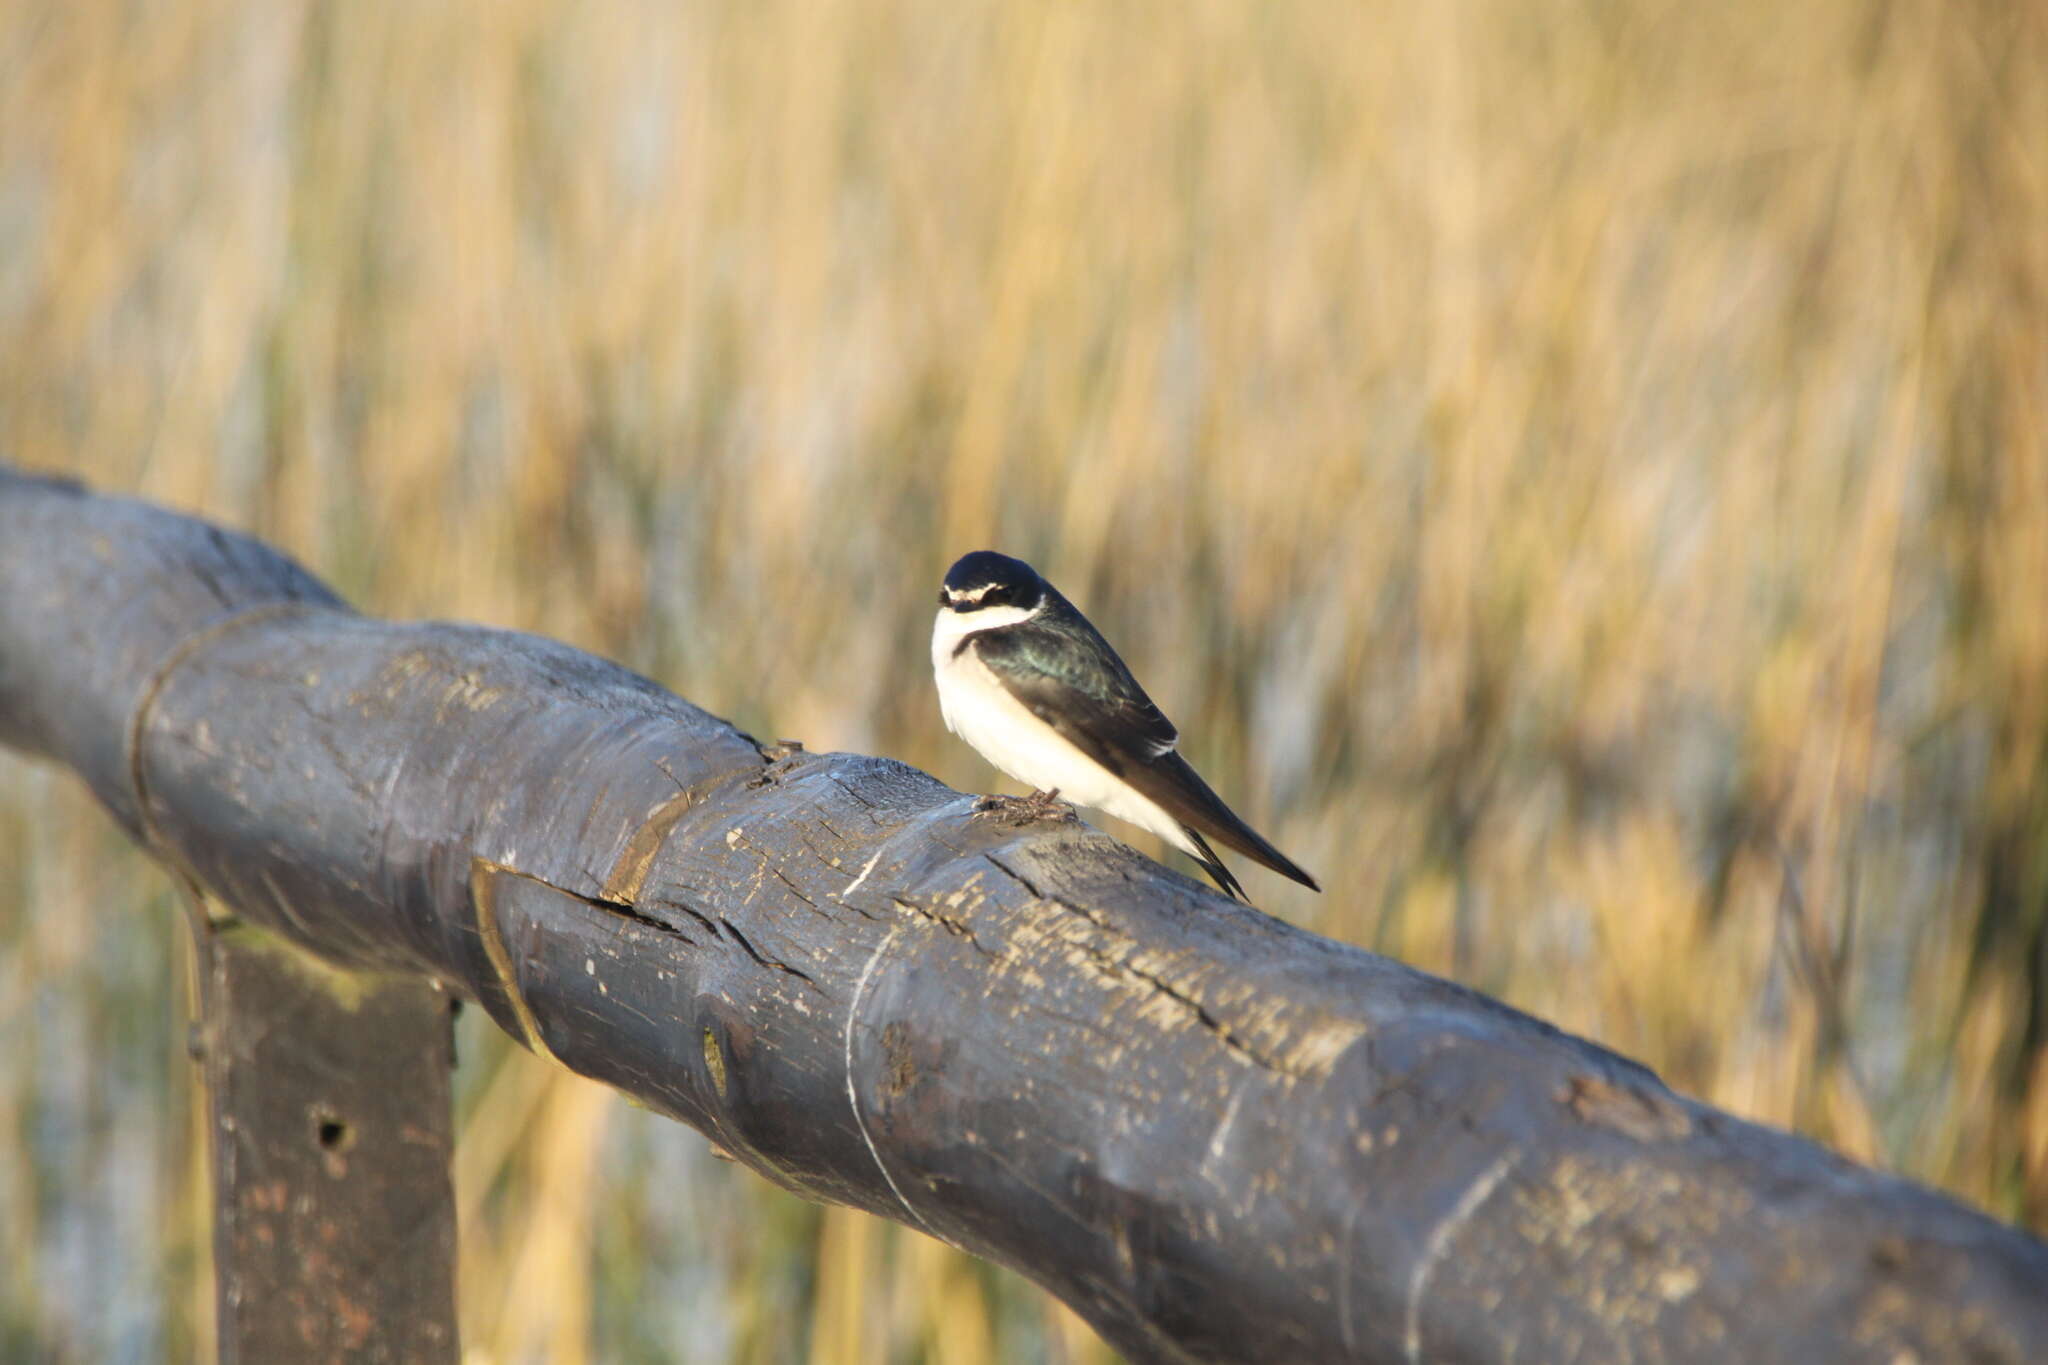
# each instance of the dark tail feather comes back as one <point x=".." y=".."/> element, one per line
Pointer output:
<point x="1180" y="792"/>
<point x="1242" y="837"/>
<point x="1213" y="865"/>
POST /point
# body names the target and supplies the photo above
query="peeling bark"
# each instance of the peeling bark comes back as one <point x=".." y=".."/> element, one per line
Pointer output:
<point x="1216" y="1136"/>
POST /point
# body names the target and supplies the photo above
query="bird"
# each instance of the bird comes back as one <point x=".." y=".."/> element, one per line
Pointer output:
<point x="1033" y="687"/>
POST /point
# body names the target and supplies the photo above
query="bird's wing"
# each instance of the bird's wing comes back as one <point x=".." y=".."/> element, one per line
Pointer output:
<point x="1066" y="673"/>
<point x="1072" y="680"/>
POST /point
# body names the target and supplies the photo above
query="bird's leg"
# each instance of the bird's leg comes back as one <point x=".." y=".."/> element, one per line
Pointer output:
<point x="1021" y="809"/>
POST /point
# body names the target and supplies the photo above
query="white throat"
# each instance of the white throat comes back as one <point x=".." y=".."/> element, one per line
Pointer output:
<point x="954" y="626"/>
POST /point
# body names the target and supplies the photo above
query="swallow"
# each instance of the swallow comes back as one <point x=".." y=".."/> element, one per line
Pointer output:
<point x="1026" y="680"/>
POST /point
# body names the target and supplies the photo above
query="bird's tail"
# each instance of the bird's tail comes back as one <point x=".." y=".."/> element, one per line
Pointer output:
<point x="1213" y="865"/>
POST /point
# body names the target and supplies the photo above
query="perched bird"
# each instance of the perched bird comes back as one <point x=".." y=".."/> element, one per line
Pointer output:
<point x="1026" y="680"/>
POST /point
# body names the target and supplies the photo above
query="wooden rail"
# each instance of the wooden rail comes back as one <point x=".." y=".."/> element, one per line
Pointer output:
<point x="1217" y="1137"/>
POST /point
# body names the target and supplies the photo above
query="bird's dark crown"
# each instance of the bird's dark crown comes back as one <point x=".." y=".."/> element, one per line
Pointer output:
<point x="987" y="579"/>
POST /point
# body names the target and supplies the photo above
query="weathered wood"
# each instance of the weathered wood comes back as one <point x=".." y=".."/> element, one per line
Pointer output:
<point x="334" y="1232"/>
<point x="1216" y="1136"/>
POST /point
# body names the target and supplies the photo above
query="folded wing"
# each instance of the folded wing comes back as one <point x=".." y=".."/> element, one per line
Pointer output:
<point x="1089" y="696"/>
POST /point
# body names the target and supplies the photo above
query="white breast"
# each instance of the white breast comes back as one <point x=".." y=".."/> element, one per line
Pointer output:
<point x="1002" y="729"/>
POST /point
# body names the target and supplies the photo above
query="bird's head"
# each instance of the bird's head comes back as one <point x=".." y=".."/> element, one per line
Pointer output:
<point x="985" y="579"/>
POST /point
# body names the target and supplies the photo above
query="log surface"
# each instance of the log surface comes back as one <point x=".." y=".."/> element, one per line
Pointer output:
<point x="1218" y="1137"/>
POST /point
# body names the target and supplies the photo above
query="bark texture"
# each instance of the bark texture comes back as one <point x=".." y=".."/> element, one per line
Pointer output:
<point x="1218" y="1137"/>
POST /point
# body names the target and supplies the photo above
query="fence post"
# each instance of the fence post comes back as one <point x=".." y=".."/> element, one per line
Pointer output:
<point x="328" y="1094"/>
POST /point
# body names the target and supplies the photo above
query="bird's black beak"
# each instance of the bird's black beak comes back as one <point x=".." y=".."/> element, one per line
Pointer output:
<point x="944" y="600"/>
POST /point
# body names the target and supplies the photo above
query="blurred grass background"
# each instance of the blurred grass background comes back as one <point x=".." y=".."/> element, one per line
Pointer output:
<point x="1578" y="473"/>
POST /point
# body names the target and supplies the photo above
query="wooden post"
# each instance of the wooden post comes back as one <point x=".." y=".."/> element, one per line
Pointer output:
<point x="334" y="1215"/>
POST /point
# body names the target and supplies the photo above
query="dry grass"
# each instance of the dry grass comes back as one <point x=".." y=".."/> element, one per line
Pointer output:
<point x="1579" y="475"/>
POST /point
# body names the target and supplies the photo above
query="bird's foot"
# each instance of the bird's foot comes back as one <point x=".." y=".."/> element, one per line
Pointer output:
<point x="1022" y="810"/>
